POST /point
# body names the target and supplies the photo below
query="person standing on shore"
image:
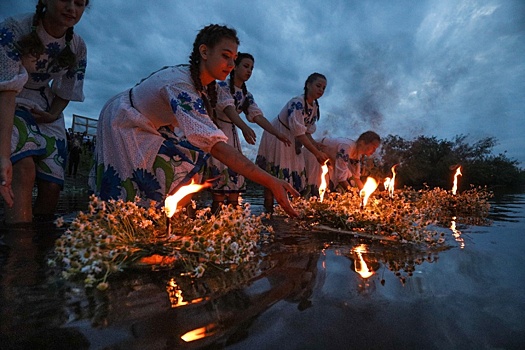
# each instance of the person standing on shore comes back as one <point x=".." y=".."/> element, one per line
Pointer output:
<point x="73" y="160"/>
<point x="156" y="137"/>
<point x="42" y="68"/>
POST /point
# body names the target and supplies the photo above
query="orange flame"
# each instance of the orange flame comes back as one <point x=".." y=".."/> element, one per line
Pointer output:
<point x="369" y="187"/>
<point x="387" y="183"/>
<point x="171" y="202"/>
<point x="455" y="187"/>
<point x="175" y="294"/>
<point x="322" y="187"/>
<point x="199" y="333"/>
<point x="392" y="182"/>
<point x="360" y="265"/>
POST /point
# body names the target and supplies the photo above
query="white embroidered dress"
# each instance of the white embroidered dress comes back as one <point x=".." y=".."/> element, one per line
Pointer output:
<point x="274" y="156"/>
<point x="133" y="158"/>
<point x="229" y="181"/>
<point x="37" y="81"/>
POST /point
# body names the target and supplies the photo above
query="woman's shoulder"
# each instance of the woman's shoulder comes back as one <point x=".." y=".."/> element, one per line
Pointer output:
<point x="296" y="102"/>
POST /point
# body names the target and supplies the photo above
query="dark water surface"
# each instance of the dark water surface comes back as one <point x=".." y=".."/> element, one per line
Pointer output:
<point x="304" y="294"/>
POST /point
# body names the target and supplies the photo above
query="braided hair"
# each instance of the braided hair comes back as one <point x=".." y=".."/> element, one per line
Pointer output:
<point x="31" y="44"/>
<point x="311" y="78"/>
<point x="238" y="60"/>
<point x="210" y="36"/>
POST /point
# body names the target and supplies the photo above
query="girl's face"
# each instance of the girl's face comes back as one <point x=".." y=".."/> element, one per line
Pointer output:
<point x="370" y="148"/>
<point x="244" y="70"/>
<point x="316" y="88"/>
<point x="218" y="62"/>
<point x="64" y="13"/>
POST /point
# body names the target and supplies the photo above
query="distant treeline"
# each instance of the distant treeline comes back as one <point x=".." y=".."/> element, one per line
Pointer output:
<point x="432" y="162"/>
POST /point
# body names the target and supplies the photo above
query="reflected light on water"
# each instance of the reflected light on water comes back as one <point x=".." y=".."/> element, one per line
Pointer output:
<point x="176" y="297"/>
<point x="456" y="233"/>
<point x="360" y="265"/>
<point x="199" y="333"/>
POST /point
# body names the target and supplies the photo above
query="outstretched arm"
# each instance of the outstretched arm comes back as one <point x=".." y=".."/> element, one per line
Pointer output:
<point x="312" y="147"/>
<point x="266" y="125"/>
<point x="247" y="132"/>
<point x="242" y="165"/>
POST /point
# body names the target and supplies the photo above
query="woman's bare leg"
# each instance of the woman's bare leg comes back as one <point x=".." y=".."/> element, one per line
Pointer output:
<point x="22" y="185"/>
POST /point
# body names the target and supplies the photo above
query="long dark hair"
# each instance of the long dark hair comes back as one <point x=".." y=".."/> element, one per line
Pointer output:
<point x="238" y="60"/>
<point x="31" y="44"/>
<point x="210" y="36"/>
<point x="311" y="78"/>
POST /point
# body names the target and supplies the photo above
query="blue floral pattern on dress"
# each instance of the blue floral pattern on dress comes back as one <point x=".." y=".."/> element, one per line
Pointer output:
<point x="295" y="106"/>
<point x="53" y="49"/>
<point x="147" y="184"/>
<point x="61" y="155"/>
<point x="110" y="184"/>
<point x="7" y="38"/>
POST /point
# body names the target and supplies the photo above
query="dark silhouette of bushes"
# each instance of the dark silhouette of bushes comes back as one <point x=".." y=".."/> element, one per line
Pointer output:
<point x="432" y="162"/>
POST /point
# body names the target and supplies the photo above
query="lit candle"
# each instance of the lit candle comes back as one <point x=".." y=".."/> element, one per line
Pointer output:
<point x="455" y="186"/>
<point x="323" y="185"/>
<point x="369" y="187"/>
<point x="170" y="204"/>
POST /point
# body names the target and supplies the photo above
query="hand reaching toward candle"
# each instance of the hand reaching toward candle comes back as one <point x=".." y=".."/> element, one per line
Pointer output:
<point x="242" y="165"/>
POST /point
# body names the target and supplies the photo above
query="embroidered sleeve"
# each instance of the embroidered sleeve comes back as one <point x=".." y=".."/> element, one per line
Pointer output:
<point x="13" y="75"/>
<point x="224" y="98"/>
<point x="253" y="109"/>
<point x="296" y="117"/>
<point x="192" y="116"/>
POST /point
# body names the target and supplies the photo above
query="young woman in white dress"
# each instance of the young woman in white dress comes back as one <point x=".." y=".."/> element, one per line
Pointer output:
<point x="297" y="121"/>
<point x="228" y="184"/>
<point x="157" y="136"/>
<point x="42" y="68"/>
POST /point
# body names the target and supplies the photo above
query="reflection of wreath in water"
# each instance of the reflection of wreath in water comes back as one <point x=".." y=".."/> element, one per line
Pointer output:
<point x="183" y="289"/>
<point x="401" y="260"/>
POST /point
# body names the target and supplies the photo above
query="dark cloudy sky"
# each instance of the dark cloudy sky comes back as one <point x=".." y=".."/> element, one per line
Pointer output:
<point x="422" y="67"/>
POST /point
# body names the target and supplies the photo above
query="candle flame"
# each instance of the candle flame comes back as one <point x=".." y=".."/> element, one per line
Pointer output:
<point x="360" y="265"/>
<point x="369" y="187"/>
<point x="171" y="201"/>
<point x="392" y="182"/>
<point x="455" y="187"/>
<point x="322" y="187"/>
<point x="387" y="183"/>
